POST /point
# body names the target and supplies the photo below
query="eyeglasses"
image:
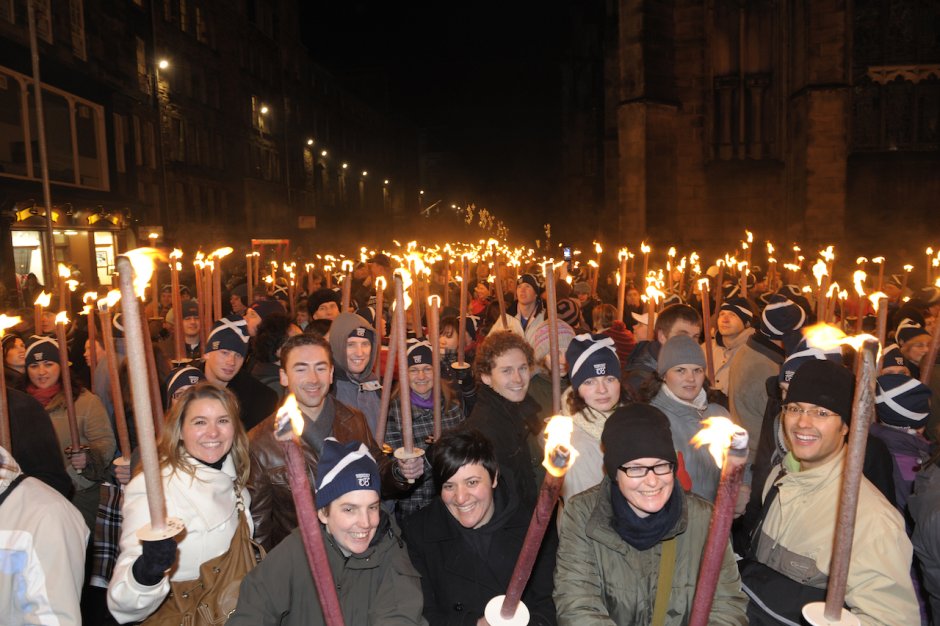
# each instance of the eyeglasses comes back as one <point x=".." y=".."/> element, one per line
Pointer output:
<point x="640" y="471"/>
<point x="817" y="412"/>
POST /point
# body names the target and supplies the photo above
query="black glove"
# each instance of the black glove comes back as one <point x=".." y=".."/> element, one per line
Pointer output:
<point x="464" y="376"/>
<point x="157" y="558"/>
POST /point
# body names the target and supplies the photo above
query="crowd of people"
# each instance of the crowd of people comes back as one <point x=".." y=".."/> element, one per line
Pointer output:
<point x="431" y="538"/>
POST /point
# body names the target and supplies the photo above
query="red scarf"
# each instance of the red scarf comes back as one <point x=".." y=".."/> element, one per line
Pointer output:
<point x="44" y="396"/>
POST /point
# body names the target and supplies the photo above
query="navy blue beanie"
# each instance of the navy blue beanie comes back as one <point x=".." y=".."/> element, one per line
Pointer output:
<point x="343" y="468"/>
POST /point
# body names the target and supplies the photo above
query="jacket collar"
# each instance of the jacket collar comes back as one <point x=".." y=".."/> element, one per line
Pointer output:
<point x="797" y="483"/>
<point x="762" y="345"/>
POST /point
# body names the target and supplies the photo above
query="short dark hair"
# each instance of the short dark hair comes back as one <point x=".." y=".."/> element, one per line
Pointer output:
<point x="304" y="339"/>
<point x="672" y="314"/>
<point x="495" y="345"/>
<point x="462" y="447"/>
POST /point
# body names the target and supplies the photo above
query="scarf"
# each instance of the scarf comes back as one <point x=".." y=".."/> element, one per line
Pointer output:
<point x="644" y="532"/>
<point x="44" y="396"/>
<point x="422" y="403"/>
<point x="217" y="465"/>
<point x="595" y="425"/>
<point x="699" y="404"/>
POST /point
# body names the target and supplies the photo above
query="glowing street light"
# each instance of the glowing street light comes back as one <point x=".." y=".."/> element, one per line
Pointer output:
<point x="264" y="109"/>
<point x="323" y="153"/>
<point x="163" y="64"/>
<point x="310" y="142"/>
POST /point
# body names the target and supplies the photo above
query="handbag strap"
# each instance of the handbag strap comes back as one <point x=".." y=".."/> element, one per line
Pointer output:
<point x="755" y="534"/>
<point x="667" y="565"/>
<point x="13" y="484"/>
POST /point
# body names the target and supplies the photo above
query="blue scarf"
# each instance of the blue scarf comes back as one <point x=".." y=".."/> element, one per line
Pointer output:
<point x="644" y="532"/>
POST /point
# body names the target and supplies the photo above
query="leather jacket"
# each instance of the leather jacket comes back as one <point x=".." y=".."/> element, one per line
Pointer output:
<point x="272" y="505"/>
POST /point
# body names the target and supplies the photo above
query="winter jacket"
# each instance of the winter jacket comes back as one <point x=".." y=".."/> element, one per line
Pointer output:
<point x="42" y="542"/>
<point x="422" y="427"/>
<point x="909" y="452"/>
<point x="206" y="502"/>
<point x="600" y="579"/>
<point x="255" y="399"/>
<point x="751" y="366"/>
<point x="272" y="505"/>
<point x="94" y="431"/>
<point x="269" y="374"/>
<point x="509" y="426"/>
<point x="723" y="350"/>
<point x="379" y="587"/>
<point x="458" y="577"/>
<point x="802" y="522"/>
<point x="585" y="438"/>
<point x="924" y="507"/>
<point x="35" y="443"/>
<point x="685" y="421"/>
<point x="362" y="392"/>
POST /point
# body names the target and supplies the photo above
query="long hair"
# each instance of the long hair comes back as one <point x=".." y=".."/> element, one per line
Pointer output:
<point x="170" y="447"/>
<point x="576" y="403"/>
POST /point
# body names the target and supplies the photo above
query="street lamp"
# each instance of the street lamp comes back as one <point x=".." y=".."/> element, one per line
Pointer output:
<point x="323" y="153"/>
<point x="386" y="181"/>
<point x="264" y="109"/>
<point x="310" y="142"/>
<point x="163" y="64"/>
<point x="365" y="173"/>
<point x="345" y="165"/>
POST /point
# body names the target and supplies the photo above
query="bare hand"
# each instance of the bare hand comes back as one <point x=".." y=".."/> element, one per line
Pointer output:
<point x="122" y="472"/>
<point x="78" y="460"/>
<point x="744" y="495"/>
<point x="411" y="469"/>
<point x="482" y="622"/>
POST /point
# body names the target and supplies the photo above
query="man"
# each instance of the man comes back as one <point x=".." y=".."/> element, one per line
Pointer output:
<point x="735" y="321"/>
<point x="528" y="308"/>
<point x="323" y="304"/>
<point x="225" y="353"/>
<point x="795" y="539"/>
<point x="759" y="359"/>
<point x="307" y="373"/>
<point x="238" y="299"/>
<point x="675" y="319"/>
<point x="355" y="346"/>
<point x="190" y="329"/>
<point x="504" y="411"/>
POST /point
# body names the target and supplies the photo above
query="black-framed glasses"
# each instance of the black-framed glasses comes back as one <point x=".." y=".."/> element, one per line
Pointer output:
<point x="640" y="471"/>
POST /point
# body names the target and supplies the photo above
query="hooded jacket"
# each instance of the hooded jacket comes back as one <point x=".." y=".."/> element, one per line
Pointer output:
<point x="458" y="581"/>
<point x="379" y="587"/>
<point x="43" y="539"/>
<point x="601" y="580"/>
<point x="358" y="391"/>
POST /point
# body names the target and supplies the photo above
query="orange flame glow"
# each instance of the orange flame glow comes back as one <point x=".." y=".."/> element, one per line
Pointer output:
<point x="820" y="270"/>
<point x="826" y="337"/>
<point x="289" y="411"/>
<point x="43" y="299"/>
<point x="859" y="279"/>
<point x="89" y="296"/>
<point x="61" y="318"/>
<point x="876" y="299"/>
<point x="64" y="271"/>
<point x="645" y="249"/>
<point x="8" y="322"/>
<point x="142" y="260"/>
<point x="558" y="435"/>
<point x="718" y="435"/>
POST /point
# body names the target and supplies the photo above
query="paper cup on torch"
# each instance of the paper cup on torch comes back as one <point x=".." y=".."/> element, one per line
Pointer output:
<point x="134" y="270"/>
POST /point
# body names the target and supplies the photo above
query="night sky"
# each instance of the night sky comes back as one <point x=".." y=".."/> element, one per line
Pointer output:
<point x="485" y="76"/>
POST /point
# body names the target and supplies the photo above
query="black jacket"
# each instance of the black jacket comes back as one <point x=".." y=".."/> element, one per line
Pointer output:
<point x="35" y="445"/>
<point x="458" y="581"/>
<point x="255" y="399"/>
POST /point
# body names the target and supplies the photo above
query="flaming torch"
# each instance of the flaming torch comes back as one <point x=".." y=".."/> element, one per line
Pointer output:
<point x="407" y="451"/>
<point x="434" y="312"/>
<point x="175" y="268"/>
<point x="622" y="282"/>
<point x="880" y="302"/>
<point x="75" y="446"/>
<point x="819" y="271"/>
<point x="117" y="399"/>
<point x="134" y="270"/>
<point x="859" y="279"/>
<point x="289" y="425"/>
<point x="727" y="443"/>
<point x="347" y="267"/>
<point x="508" y="610"/>
<point x="645" y="249"/>
<point x="880" y="260"/>
<point x="216" y="265"/>
<point x="42" y="302"/>
<point x="707" y="325"/>
<point x="927" y="271"/>
<point x="5" y="322"/>
<point x="597" y="270"/>
<point x="863" y="410"/>
<point x="64" y="274"/>
<point x="552" y="303"/>
<point x="88" y="309"/>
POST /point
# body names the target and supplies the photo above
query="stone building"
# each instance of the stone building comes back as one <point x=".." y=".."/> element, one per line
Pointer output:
<point x="809" y="120"/>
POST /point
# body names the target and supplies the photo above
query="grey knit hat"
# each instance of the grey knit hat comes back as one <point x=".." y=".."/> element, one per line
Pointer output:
<point x="680" y="350"/>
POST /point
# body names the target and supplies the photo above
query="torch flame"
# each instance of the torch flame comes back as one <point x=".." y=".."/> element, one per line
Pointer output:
<point x="622" y="254"/>
<point x="113" y="297"/>
<point x="381" y="283"/>
<point x="929" y="250"/>
<point x="72" y="284"/>
<point x="654" y="293"/>
<point x="878" y="259"/>
<point x="861" y="260"/>
<point x="876" y="299"/>
<point x="61" y="318"/>
<point x="618" y="279"/>
<point x="770" y="248"/>
<point x="347" y="265"/>
<point x="859" y="278"/>
<point x="43" y="299"/>
<point x="558" y="445"/>
<point x="908" y="268"/>
<point x="178" y="254"/>
<point x="826" y="337"/>
<point x="671" y="252"/>
<point x="221" y="252"/>
<point x="142" y="260"/>
<point x="719" y="434"/>
<point x="90" y="296"/>
<point x="703" y="284"/>
<point x="645" y="249"/>
<point x="820" y="270"/>
<point x="827" y="254"/>
<point x="64" y="271"/>
<point x="289" y="413"/>
<point x="833" y="290"/>
<point x="434" y="301"/>
<point x="750" y="236"/>
<point x="8" y="322"/>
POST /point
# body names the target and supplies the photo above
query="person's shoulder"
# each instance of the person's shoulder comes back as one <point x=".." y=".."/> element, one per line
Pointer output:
<point x="875" y="509"/>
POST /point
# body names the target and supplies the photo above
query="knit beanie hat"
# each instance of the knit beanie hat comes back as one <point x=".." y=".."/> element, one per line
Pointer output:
<point x="531" y="280"/>
<point x="591" y="355"/>
<point x="803" y="354"/>
<point x="229" y="333"/>
<point x="362" y="332"/>
<point x="781" y="317"/>
<point x="826" y="384"/>
<point x="419" y="352"/>
<point x="908" y="331"/>
<point x="930" y="295"/>
<point x="902" y="401"/>
<point x="343" y="468"/>
<point x="180" y="377"/>
<point x="680" y="350"/>
<point x="322" y="296"/>
<point x="540" y="343"/>
<point x="39" y="349"/>
<point x="892" y="357"/>
<point x="569" y="311"/>
<point x="242" y="292"/>
<point x="582" y="288"/>
<point x="190" y="308"/>
<point x="264" y="308"/>
<point x="741" y="308"/>
<point x="8" y="340"/>
<point x="636" y="431"/>
<point x="672" y="299"/>
<point x="795" y="294"/>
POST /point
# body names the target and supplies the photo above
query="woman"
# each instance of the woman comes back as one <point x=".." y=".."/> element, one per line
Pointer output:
<point x="914" y="343"/>
<point x="466" y="542"/>
<point x="679" y="390"/>
<point x="203" y="453"/>
<point x="636" y="532"/>
<point x="480" y="297"/>
<point x="420" y="387"/>
<point x="594" y="394"/>
<point x="375" y="582"/>
<point x="14" y="361"/>
<point x="87" y="465"/>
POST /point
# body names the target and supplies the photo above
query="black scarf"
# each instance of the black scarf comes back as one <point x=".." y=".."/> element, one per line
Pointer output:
<point x="644" y="532"/>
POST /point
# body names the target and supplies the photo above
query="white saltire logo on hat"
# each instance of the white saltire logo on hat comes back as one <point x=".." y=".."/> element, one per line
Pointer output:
<point x="364" y="480"/>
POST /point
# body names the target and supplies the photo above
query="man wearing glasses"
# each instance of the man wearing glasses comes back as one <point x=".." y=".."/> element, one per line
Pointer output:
<point x="801" y="501"/>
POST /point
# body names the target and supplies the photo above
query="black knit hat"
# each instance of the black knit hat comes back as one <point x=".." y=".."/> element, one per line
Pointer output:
<point x="40" y="348"/>
<point x="636" y="431"/>
<point x="322" y="296"/>
<point x="826" y="384"/>
<point x="229" y="333"/>
<point x="531" y="280"/>
<point x="419" y="352"/>
<point x="741" y="308"/>
<point x="589" y="356"/>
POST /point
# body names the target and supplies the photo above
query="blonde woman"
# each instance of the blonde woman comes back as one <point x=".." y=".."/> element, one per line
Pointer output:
<point x="203" y="453"/>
